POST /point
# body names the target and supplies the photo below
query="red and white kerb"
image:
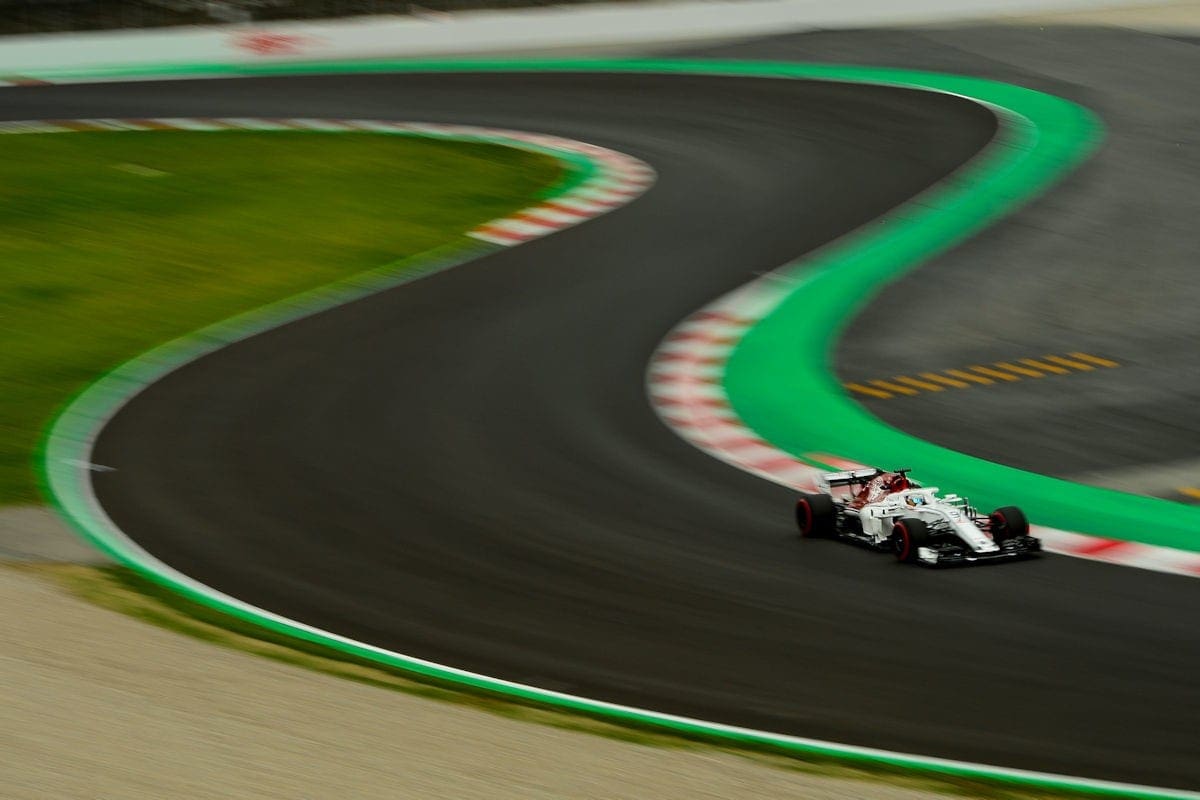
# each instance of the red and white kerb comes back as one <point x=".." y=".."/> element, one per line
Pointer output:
<point x="686" y="380"/>
<point x="617" y="178"/>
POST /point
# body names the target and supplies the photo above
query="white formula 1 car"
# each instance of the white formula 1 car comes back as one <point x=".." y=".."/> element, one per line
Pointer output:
<point x="889" y="511"/>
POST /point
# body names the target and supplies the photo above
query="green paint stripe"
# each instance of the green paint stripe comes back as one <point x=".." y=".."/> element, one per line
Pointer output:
<point x="779" y="379"/>
<point x="1007" y="167"/>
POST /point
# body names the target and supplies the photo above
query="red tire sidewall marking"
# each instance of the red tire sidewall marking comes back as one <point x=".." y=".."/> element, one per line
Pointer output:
<point x="806" y="529"/>
<point x="998" y="517"/>
<point x="904" y="536"/>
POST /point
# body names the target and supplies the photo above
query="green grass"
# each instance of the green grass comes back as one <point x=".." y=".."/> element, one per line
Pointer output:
<point x="111" y="243"/>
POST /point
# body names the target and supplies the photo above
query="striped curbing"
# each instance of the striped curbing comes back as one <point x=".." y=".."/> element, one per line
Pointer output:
<point x="619" y="179"/>
<point x="613" y="179"/>
<point x="685" y="383"/>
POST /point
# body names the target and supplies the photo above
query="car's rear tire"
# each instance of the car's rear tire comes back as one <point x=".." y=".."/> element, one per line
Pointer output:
<point x="816" y="515"/>
<point x="908" y="534"/>
<point x="1008" y="523"/>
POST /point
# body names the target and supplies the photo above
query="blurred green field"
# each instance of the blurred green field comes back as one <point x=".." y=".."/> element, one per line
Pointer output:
<point x="112" y="243"/>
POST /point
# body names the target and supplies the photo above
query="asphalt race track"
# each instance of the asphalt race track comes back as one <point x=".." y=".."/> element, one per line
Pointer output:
<point x="465" y="469"/>
<point x="1103" y="264"/>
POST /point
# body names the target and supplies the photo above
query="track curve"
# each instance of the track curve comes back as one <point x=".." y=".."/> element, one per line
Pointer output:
<point x="479" y="480"/>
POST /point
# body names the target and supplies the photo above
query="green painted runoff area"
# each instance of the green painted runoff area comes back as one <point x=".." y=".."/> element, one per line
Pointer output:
<point x="112" y="243"/>
<point x="780" y="380"/>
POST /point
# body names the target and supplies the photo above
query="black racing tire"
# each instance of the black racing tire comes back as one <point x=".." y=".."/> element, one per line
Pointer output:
<point x="908" y="534"/>
<point x="816" y="516"/>
<point x="1007" y="523"/>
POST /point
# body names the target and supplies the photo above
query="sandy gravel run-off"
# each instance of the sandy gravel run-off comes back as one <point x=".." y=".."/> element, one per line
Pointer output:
<point x="86" y="712"/>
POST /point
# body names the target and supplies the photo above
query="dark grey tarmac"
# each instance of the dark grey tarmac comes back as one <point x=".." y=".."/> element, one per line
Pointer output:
<point x="465" y="469"/>
<point x="1104" y="264"/>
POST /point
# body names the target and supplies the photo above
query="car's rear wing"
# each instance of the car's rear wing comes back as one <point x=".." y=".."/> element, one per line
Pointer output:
<point x="849" y="477"/>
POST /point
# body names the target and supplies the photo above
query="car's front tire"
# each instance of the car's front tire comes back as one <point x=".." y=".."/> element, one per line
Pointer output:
<point x="816" y="515"/>
<point x="1007" y="523"/>
<point x="908" y="534"/>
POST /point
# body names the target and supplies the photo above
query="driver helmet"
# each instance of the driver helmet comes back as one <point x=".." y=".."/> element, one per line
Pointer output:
<point x="916" y="500"/>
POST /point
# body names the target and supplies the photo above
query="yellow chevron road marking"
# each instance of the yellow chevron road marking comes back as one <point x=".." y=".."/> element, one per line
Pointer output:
<point x="933" y="376"/>
<point x="1030" y="373"/>
<point x="1103" y="362"/>
<point x="986" y="375"/>
<point x="1044" y="367"/>
<point x="926" y="385"/>
<point x="1066" y="362"/>
<point x="858" y="388"/>
<point x="966" y="376"/>
<point x="894" y="388"/>
<point x="994" y="373"/>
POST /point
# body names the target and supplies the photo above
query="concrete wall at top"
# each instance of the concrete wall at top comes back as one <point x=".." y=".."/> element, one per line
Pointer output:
<point x="525" y="31"/>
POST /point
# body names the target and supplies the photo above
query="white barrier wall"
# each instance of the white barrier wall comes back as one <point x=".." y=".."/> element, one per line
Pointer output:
<point x="541" y="30"/>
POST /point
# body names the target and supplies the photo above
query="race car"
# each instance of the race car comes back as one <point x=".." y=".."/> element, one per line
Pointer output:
<point x="890" y="511"/>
